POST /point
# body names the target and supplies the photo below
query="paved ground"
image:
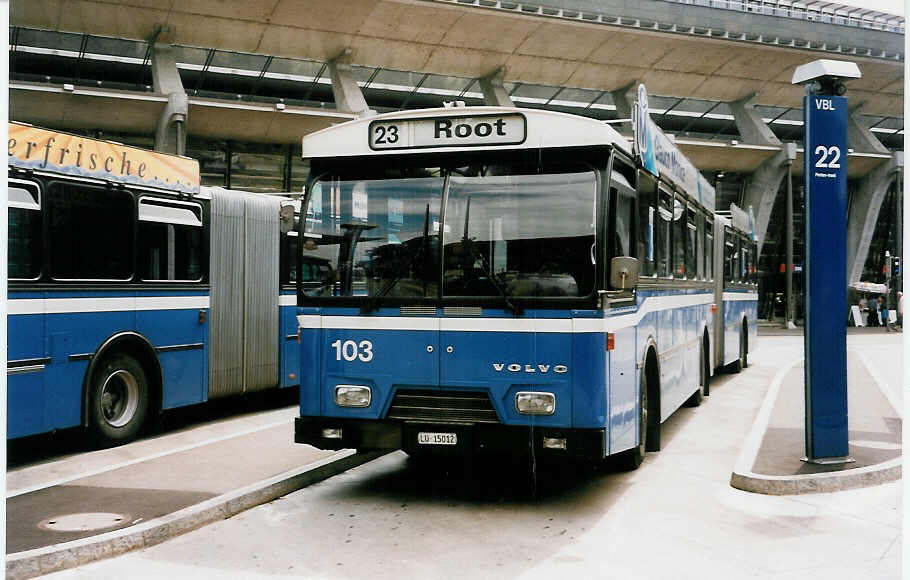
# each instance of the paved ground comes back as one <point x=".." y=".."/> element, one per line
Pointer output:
<point x="676" y="517"/>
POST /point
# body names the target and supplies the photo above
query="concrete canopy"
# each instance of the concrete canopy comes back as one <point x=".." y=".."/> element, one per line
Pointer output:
<point x="122" y="111"/>
<point x="472" y="42"/>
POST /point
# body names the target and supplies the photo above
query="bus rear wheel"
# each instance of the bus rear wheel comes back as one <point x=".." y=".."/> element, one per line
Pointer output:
<point x="699" y="395"/>
<point x="744" y="345"/>
<point x="118" y="401"/>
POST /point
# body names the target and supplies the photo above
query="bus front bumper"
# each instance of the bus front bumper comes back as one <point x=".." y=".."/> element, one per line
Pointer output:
<point x="451" y="439"/>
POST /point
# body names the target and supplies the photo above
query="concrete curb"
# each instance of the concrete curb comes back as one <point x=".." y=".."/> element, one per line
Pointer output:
<point x="745" y="479"/>
<point x="83" y="551"/>
<point x="818" y="482"/>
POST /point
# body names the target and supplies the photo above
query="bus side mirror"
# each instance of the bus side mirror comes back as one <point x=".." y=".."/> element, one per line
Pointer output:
<point x="624" y="272"/>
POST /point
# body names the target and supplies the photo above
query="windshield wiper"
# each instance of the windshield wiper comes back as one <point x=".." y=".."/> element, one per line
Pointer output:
<point x="468" y="243"/>
<point x="421" y="251"/>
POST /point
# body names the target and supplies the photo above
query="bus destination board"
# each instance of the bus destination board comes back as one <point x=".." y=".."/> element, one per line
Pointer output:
<point x="474" y="131"/>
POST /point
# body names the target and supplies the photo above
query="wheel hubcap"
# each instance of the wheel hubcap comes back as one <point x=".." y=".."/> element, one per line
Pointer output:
<point x="119" y="398"/>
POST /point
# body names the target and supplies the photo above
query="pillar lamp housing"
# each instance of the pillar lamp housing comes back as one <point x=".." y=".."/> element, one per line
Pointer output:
<point x="826" y="77"/>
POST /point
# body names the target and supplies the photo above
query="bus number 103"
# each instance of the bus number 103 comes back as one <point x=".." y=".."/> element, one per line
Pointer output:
<point x="351" y="350"/>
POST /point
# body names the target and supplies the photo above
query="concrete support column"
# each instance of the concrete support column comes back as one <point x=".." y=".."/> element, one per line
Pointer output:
<point x="750" y="125"/>
<point x="170" y="134"/>
<point x="494" y="93"/>
<point x="348" y="96"/>
<point x="762" y="189"/>
<point x="863" y="213"/>
<point x="859" y="137"/>
<point x="624" y="98"/>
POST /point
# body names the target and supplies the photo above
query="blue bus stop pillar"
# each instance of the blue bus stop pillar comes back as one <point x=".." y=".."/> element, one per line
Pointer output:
<point x="825" y="279"/>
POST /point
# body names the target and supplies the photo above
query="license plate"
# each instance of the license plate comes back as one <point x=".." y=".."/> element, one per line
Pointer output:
<point x="437" y="438"/>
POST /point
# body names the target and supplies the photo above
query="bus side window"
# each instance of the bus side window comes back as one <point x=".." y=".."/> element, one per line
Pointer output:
<point x="691" y="246"/>
<point x="25" y="240"/>
<point x="735" y="268"/>
<point x="700" y="245"/>
<point x="729" y="256"/>
<point x="709" y="248"/>
<point x="170" y="240"/>
<point x="754" y="255"/>
<point x="678" y="240"/>
<point x="647" y="210"/>
<point x="289" y="251"/>
<point x="662" y="233"/>
<point x="624" y="198"/>
<point x="91" y="232"/>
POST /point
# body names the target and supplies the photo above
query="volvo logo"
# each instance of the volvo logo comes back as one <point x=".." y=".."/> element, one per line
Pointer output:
<point x="529" y="368"/>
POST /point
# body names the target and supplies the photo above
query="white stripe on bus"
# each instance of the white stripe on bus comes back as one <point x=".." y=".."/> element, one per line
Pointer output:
<point x="107" y="304"/>
<point x="737" y="296"/>
<point x="467" y="324"/>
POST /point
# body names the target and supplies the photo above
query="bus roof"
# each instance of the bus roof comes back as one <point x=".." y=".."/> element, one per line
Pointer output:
<point x="447" y="130"/>
<point x="45" y="150"/>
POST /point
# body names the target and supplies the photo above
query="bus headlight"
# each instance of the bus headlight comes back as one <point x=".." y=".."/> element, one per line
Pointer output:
<point x="353" y="396"/>
<point x="529" y="403"/>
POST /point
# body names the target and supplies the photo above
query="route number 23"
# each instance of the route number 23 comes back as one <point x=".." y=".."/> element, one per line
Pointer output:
<point x="385" y="134"/>
<point x="352" y="351"/>
<point x="824" y="153"/>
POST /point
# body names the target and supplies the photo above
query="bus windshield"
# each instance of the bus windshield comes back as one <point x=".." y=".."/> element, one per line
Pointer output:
<point x="508" y="231"/>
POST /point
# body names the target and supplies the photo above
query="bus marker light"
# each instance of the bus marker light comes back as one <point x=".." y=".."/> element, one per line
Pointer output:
<point x="331" y="433"/>
<point x="610" y="340"/>
<point x="530" y="403"/>
<point x="714" y="309"/>
<point x="554" y="443"/>
<point x="291" y="376"/>
<point x="353" y="396"/>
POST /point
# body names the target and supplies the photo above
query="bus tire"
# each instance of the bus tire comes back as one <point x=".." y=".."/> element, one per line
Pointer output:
<point x="118" y="401"/>
<point x="631" y="459"/>
<point x="699" y="395"/>
<point x="737" y="365"/>
<point x="744" y="345"/>
<point x="706" y="366"/>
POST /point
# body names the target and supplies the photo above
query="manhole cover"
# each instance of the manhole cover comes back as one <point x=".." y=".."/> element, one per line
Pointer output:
<point x="877" y="445"/>
<point x="84" y="522"/>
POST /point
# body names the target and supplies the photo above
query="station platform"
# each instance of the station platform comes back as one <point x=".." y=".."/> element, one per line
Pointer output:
<point x="772" y="460"/>
<point x="98" y="504"/>
<point x="103" y="503"/>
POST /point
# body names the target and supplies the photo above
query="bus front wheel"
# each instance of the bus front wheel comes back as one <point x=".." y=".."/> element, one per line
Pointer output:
<point x="648" y="429"/>
<point x="631" y="459"/>
<point x="118" y="402"/>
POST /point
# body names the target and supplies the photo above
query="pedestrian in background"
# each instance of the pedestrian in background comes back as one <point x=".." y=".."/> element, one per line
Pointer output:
<point x="900" y="310"/>
<point x="873" y="312"/>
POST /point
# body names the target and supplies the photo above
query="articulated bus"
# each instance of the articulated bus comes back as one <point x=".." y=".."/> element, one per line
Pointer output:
<point x="736" y="254"/>
<point x="133" y="290"/>
<point x="506" y="280"/>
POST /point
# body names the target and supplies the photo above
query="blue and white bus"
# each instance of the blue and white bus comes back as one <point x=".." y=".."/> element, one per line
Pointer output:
<point x="736" y="254"/>
<point x="133" y="290"/>
<point x="506" y="280"/>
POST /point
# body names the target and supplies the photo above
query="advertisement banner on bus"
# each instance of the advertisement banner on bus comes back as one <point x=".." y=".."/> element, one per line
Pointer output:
<point x="35" y="148"/>
<point x="661" y="157"/>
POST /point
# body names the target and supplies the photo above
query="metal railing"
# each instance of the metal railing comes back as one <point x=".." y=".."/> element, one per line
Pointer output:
<point x="831" y="14"/>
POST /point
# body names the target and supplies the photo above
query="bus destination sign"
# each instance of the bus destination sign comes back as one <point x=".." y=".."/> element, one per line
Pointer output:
<point x="477" y="131"/>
